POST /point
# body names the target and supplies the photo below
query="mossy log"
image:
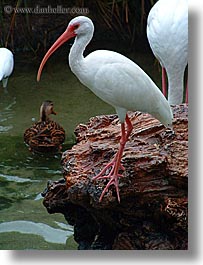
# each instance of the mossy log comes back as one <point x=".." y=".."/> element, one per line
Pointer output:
<point x="153" y="212"/>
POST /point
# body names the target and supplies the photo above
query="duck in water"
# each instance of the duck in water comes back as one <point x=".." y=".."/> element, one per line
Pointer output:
<point x="46" y="135"/>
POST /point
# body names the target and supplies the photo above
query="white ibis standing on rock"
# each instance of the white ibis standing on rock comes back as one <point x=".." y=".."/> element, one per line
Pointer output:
<point x="167" y="32"/>
<point x="6" y="65"/>
<point x="115" y="79"/>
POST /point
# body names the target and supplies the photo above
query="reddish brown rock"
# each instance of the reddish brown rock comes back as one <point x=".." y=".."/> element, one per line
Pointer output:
<point x="153" y="190"/>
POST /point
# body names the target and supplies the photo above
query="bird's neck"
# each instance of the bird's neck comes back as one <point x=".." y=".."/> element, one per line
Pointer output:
<point x="175" y="91"/>
<point x="43" y="116"/>
<point x="76" y="58"/>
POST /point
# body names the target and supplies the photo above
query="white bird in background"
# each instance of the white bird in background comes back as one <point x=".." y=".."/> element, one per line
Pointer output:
<point x="6" y="65"/>
<point x="115" y="79"/>
<point x="167" y="32"/>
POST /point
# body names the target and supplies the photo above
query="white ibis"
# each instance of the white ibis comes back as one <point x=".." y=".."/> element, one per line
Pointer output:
<point x="167" y="32"/>
<point x="115" y="79"/>
<point x="6" y="65"/>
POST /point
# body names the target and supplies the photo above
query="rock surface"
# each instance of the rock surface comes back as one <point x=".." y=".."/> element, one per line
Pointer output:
<point x="153" y="190"/>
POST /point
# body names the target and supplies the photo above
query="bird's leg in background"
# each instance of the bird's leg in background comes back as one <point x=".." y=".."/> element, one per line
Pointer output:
<point x="164" y="85"/>
<point x="186" y="93"/>
<point x="115" y="164"/>
<point x="5" y="81"/>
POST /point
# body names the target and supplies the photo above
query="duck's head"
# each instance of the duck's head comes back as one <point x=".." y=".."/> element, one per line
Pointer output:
<point x="46" y="109"/>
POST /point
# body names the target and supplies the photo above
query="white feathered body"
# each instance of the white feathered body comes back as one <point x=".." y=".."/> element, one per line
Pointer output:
<point x="167" y="32"/>
<point x="121" y="83"/>
<point x="6" y="65"/>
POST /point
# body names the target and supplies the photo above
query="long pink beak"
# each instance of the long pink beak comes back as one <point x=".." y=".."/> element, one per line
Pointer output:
<point x="68" y="34"/>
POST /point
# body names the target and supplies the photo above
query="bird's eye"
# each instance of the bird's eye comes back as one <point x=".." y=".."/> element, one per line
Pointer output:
<point x="76" y="26"/>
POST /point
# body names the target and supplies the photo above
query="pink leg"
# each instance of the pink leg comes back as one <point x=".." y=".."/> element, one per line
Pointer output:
<point x="186" y="93"/>
<point x="115" y="164"/>
<point x="164" y="87"/>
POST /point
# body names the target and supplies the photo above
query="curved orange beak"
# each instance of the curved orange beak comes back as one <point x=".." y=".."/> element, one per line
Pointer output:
<point x="68" y="34"/>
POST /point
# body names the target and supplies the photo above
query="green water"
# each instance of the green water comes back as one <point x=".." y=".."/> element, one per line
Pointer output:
<point x="24" y="222"/>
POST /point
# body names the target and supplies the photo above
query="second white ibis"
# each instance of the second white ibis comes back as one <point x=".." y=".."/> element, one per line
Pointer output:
<point x="167" y="32"/>
<point x="6" y="65"/>
<point x="115" y="79"/>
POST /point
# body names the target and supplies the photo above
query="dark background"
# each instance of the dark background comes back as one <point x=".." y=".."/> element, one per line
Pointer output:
<point x="118" y="23"/>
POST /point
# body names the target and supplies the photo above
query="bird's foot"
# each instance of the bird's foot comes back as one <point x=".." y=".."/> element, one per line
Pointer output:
<point x="113" y="176"/>
<point x="111" y="166"/>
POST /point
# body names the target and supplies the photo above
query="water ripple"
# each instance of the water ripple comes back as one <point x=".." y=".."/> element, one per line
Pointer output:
<point x="6" y="113"/>
<point x="17" y="179"/>
<point x="49" y="233"/>
<point x="5" y="128"/>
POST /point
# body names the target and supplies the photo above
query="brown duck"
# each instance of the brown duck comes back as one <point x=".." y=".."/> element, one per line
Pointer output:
<point x="45" y="136"/>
